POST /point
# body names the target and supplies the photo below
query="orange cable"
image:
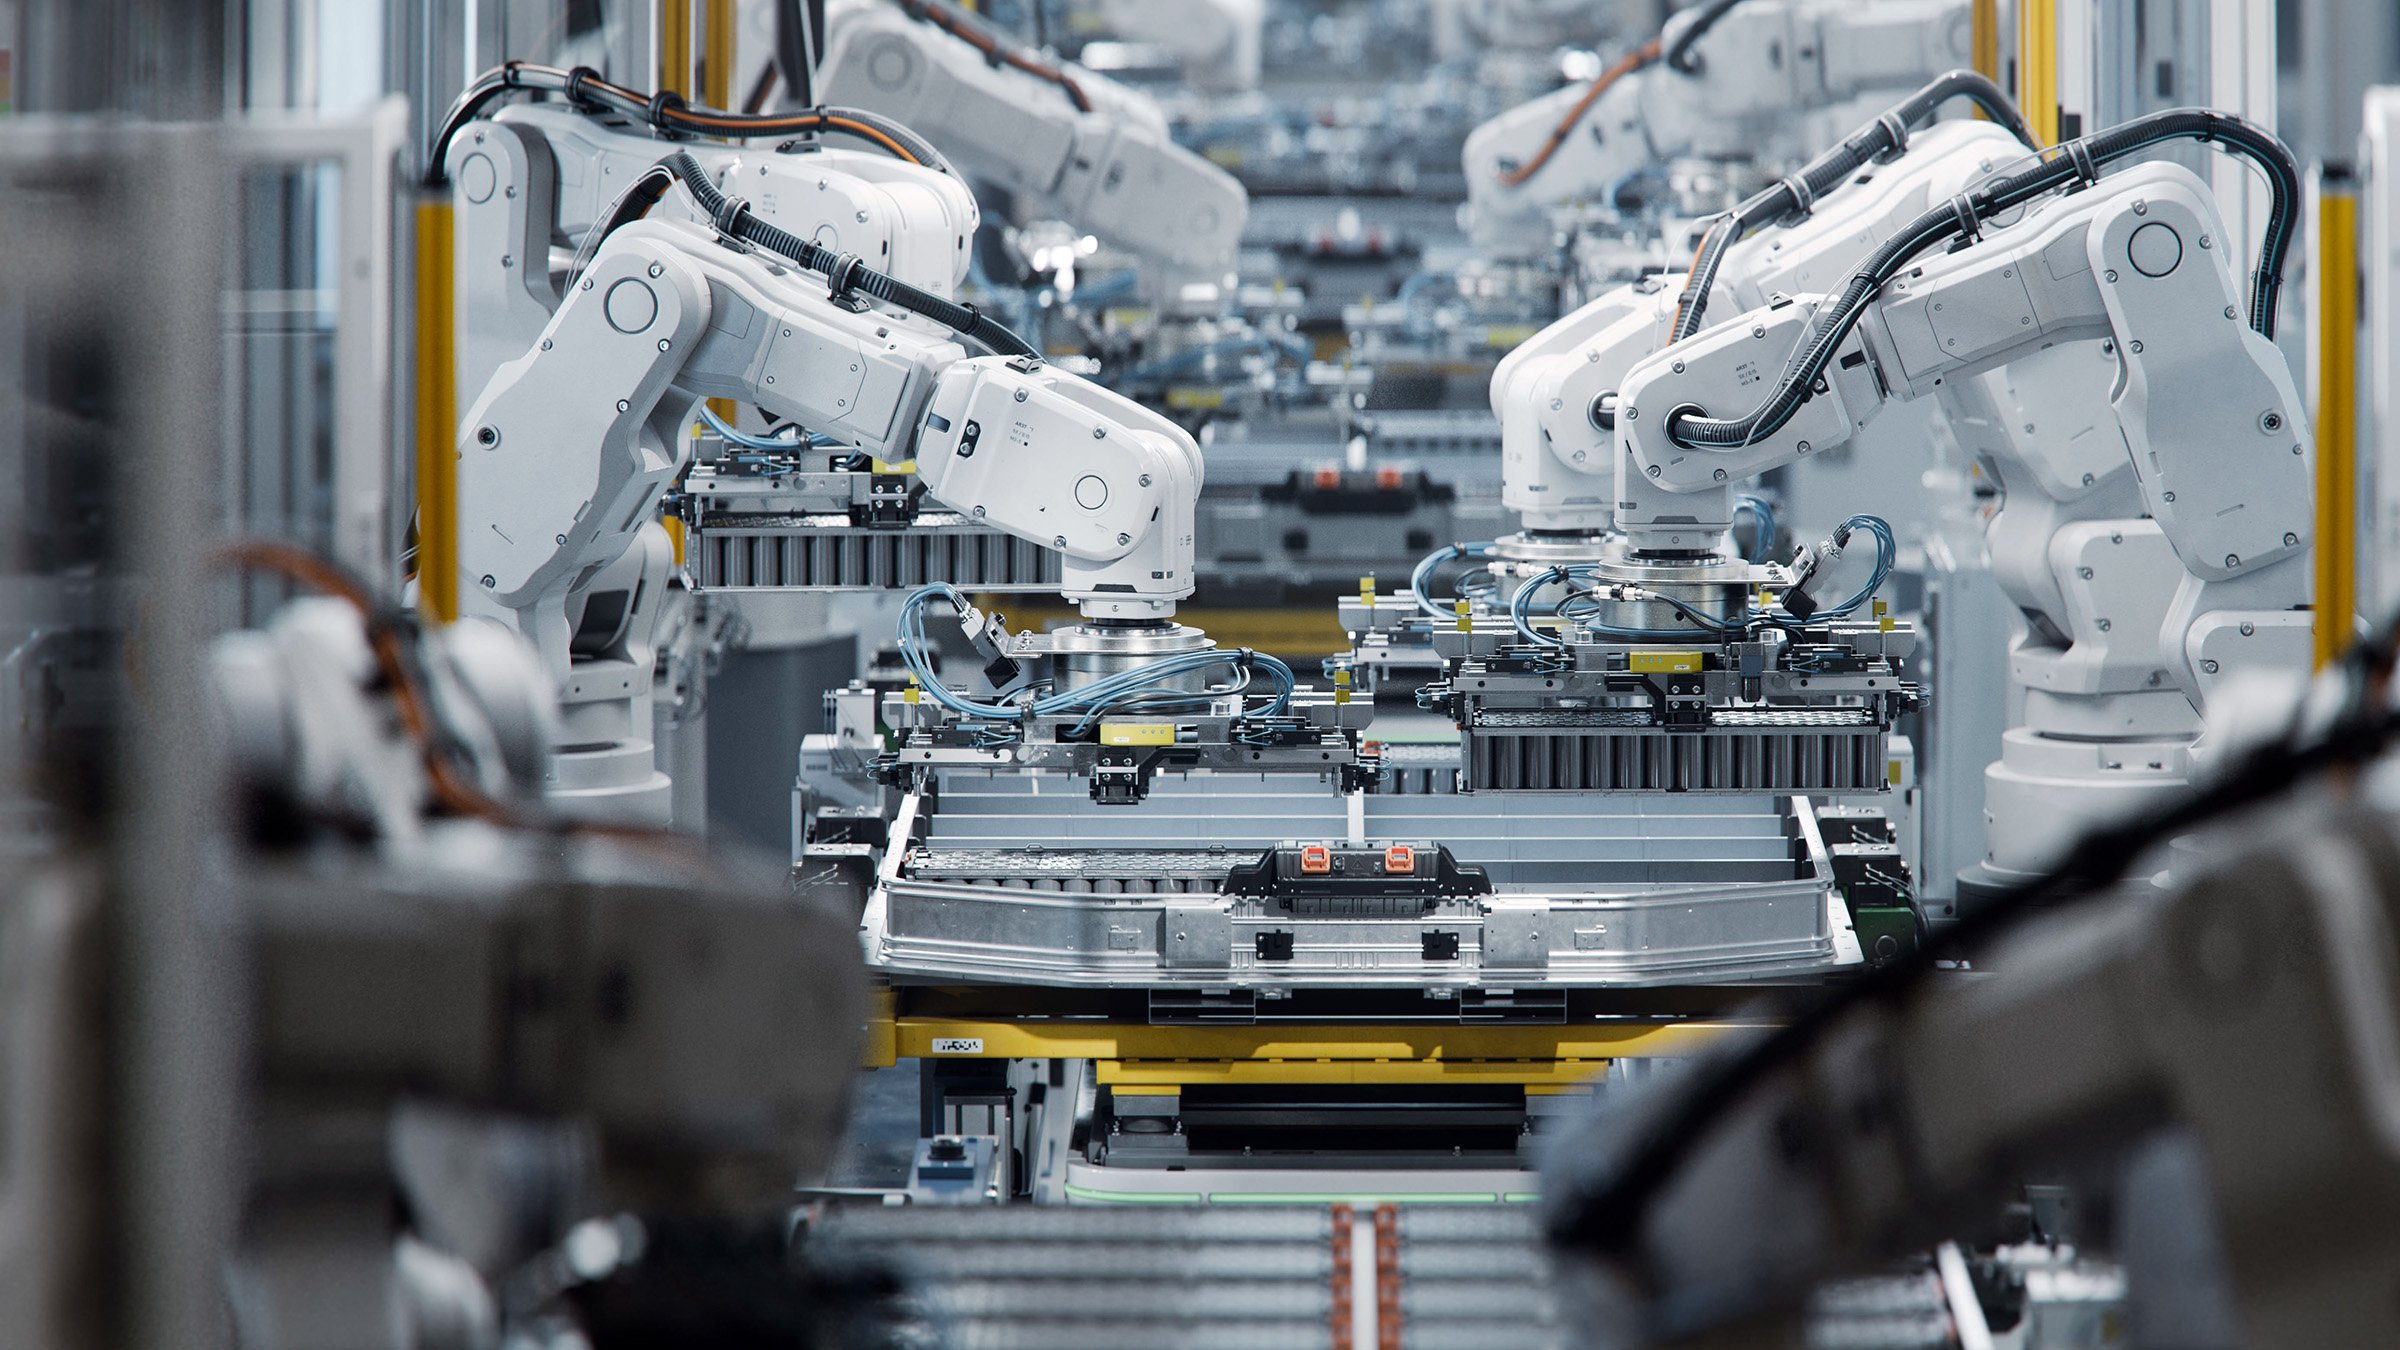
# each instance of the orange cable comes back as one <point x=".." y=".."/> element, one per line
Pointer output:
<point x="811" y="122"/>
<point x="1626" y="65"/>
<point x="454" y="792"/>
<point x="990" y="47"/>
<point x="1684" y="300"/>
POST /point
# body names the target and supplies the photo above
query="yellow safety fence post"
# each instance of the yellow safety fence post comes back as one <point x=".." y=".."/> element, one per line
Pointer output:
<point x="716" y="54"/>
<point x="2037" y="66"/>
<point x="1986" y="41"/>
<point x="2336" y="415"/>
<point x="437" y="418"/>
<point x="675" y="46"/>
<point x="709" y="82"/>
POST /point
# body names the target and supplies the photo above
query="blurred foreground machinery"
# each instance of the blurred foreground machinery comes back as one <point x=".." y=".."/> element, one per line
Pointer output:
<point x="322" y="1032"/>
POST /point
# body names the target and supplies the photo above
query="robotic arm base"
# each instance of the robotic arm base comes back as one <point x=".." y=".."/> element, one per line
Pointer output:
<point x="1125" y="608"/>
<point x="599" y="642"/>
<point x="2215" y="630"/>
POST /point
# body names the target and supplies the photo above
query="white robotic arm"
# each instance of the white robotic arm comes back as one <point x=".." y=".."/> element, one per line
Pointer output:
<point x="1918" y="1113"/>
<point x="1555" y="393"/>
<point x="530" y="184"/>
<point x="1463" y="29"/>
<point x="563" y="457"/>
<point x="2206" y="406"/>
<point x="1093" y="152"/>
<point x="1757" y="65"/>
<point x="1216" y="42"/>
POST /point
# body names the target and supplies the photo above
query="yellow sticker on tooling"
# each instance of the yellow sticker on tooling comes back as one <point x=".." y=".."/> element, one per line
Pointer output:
<point x="1663" y="663"/>
<point x="1137" y="733"/>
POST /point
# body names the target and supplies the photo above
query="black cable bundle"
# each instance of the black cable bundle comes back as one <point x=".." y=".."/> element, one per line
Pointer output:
<point x="843" y="272"/>
<point x="1795" y="194"/>
<point x="2070" y="162"/>
<point x="668" y="113"/>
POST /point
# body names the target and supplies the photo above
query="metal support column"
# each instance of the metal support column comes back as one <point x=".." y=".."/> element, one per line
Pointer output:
<point x="2379" y="238"/>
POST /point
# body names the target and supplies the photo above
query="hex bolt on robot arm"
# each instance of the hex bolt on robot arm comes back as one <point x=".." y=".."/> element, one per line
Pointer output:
<point x="563" y="458"/>
<point x="1077" y="145"/>
<point x="2205" y="409"/>
<point x="1720" y="81"/>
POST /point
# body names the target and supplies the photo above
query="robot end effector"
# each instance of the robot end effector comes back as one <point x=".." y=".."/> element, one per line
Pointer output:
<point x="1054" y="458"/>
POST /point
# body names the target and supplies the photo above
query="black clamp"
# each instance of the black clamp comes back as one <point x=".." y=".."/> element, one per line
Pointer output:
<point x="729" y="214"/>
<point x="974" y="321"/>
<point x="797" y="145"/>
<point x="2079" y="154"/>
<point x="840" y="277"/>
<point x="1895" y="136"/>
<point x="661" y="103"/>
<point x="575" y="83"/>
<point x="1970" y="225"/>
